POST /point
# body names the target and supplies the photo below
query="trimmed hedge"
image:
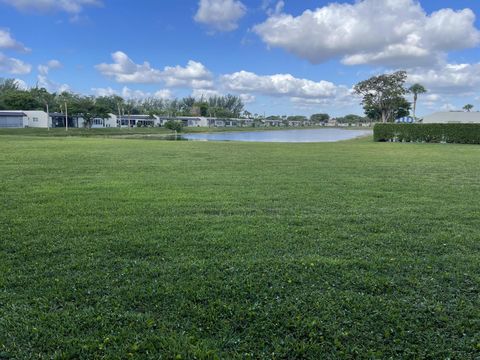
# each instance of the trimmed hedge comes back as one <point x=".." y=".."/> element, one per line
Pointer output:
<point x="430" y="133"/>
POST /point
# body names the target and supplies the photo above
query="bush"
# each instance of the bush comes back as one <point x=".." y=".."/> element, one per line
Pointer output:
<point x="174" y="125"/>
<point x="429" y="133"/>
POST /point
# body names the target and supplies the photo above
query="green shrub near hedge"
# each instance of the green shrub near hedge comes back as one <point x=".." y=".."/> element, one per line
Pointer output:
<point x="430" y="133"/>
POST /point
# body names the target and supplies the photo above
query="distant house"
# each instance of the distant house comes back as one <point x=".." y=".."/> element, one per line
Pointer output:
<point x="37" y="119"/>
<point x="366" y="124"/>
<point x="295" y="123"/>
<point x="231" y="122"/>
<point x="452" y="117"/>
<point x="247" y="122"/>
<point x="21" y="119"/>
<point x="191" y="121"/>
<point x="34" y="119"/>
<point x="332" y="122"/>
<point x="57" y="120"/>
<point x="218" y="123"/>
<point x="273" y="122"/>
<point x="126" y="121"/>
<point x="12" y="119"/>
<point x="195" y="121"/>
<point x="99" y="123"/>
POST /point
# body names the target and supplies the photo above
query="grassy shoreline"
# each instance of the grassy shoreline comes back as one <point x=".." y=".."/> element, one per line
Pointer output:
<point x="144" y="249"/>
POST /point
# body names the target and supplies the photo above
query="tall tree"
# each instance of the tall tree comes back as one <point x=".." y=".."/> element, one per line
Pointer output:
<point x="350" y="119"/>
<point x="383" y="92"/>
<point x="20" y="100"/>
<point x="112" y="103"/>
<point x="416" y="89"/>
<point x="318" y="118"/>
<point x="187" y="106"/>
<point x="400" y="108"/>
<point x="44" y="98"/>
<point x="8" y="85"/>
<point x="468" y="107"/>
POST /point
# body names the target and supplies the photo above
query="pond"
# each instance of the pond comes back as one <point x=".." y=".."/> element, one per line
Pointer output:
<point x="281" y="136"/>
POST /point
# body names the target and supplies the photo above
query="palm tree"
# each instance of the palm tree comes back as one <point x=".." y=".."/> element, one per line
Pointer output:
<point x="468" y="107"/>
<point x="416" y="89"/>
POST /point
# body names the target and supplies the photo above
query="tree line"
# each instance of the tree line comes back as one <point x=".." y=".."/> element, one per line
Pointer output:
<point x="12" y="97"/>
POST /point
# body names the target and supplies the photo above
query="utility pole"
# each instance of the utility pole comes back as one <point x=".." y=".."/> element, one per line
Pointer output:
<point x="66" y="117"/>
<point x="48" y="117"/>
<point x="119" y="116"/>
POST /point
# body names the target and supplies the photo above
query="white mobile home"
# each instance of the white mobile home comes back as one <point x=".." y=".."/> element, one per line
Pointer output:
<point x="21" y="119"/>
<point x="109" y="122"/>
<point x="38" y="119"/>
<point x="57" y="120"/>
<point x="13" y="119"/>
<point x="191" y="121"/>
<point x="269" y="122"/>
<point x="126" y="121"/>
<point x="452" y="117"/>
<point x="196" y="121"/>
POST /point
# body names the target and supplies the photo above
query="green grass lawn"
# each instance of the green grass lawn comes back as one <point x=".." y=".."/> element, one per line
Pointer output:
<point x="122" y="249"/>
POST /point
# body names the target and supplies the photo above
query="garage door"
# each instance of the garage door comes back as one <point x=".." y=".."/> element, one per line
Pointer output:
<point x="11" y="121"/>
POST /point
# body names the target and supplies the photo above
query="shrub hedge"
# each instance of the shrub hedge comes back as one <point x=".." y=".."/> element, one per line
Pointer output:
<point x="430" y="133"/>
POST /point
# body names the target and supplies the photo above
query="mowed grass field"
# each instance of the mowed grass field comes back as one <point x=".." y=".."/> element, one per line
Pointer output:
<point x="118" y="249"/>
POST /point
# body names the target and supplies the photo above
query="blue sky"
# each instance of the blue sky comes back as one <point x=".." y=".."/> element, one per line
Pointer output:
<point x="282" y="57"/>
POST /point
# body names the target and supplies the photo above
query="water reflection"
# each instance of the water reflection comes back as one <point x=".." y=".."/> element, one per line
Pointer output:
<point x="282" y="136"/>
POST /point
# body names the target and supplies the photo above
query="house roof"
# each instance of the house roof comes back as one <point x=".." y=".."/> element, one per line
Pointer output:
<point x="452" y="117"/>
<point x="12" y="113"/>
<point x="136" y="117"/>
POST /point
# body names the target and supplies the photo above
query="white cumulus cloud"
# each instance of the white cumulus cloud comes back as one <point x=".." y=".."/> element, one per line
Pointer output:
<point x="450" y="79"/>
<point x="194" y="75"/>
<point x="44" y="82"/>
<point x="104" y="91"/>
<point x="8" y="42"/>
<point x="163" y="94"/>
<point x="299" y="91"/>
<point x="125" y="70"/>
<point x="247" y="98"/>
<point x="128" y="93"/>
<point x="11" y="65"/>
<point x="44" y="69"/>
<point x="385" y="32"/>
<point x="220" y="15"/>
<point x="278" y="85"/>
<point x="204" y="93"/>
